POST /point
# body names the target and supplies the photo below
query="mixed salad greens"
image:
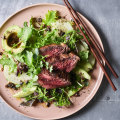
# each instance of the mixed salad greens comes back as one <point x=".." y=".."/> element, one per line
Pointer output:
<point x="22" y="62"/>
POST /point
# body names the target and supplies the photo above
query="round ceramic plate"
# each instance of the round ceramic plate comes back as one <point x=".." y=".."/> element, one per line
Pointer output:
<point x="40" y="112"/>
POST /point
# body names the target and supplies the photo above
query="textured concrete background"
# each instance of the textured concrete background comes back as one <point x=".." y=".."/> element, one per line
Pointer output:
<point x="105" y="16"/>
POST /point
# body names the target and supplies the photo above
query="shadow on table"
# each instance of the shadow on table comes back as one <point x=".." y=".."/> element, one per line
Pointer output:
<point x="104" y="85"/>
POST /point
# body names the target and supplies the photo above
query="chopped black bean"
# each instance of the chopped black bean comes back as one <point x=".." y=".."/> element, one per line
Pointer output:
<point x="67" y="38"/>
<point x="26" y="82"/>
<point x="7" y="86"/>
<point x="61" y="33"/>
<point x="54" y="100"/>
<point x="35" y="93"/>
<point x="11" y="85"/>
<point x="59" y="17"/>
<point x="15" y="88"/>
<point x="59" y="106"/>
<point x="17" y="73"/>
<point x="21" y="82"/>
<point x="39" y="19"/>
<point x="40" y="100"/>
<point x="48" y="28"/>
<point x="2" y="69"/>
<point x="58" y="90"/>
<point x="20" y="71"/>
<point x="77" y="94"/>
<point x="25" y="68"/>
<point x="48" y="93"/>
<point x="4" y="37"/>
<point x="48" y="104"/>
<point x="44" y="26"/>
<point x="21" y="68"/>
<point x="34" y="20"/>
<point x="1" y="53"/>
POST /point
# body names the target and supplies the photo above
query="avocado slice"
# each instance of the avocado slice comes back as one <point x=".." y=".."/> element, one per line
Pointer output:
<point x="73" y="91"/>
<point x="83" y="73"/>
<point x="86" y="66"/>
<point x="11" y="41"/>
<point x="91" y="59"/>
<point x="25" y="93"/>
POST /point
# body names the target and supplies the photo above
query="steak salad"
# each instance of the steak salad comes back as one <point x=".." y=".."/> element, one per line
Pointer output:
<point x="46" y="60"/>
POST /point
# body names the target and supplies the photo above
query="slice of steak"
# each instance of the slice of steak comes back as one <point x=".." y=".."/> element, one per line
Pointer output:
<point x="64" y="62"/>
<point x="54" y="50"/>
<point x="53" y="80"/>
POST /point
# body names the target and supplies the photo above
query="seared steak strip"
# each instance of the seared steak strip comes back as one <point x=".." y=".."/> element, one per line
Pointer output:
<point x="53" y="80"/>
<point x="54" y="50"/>
<point x="64" y="62"/>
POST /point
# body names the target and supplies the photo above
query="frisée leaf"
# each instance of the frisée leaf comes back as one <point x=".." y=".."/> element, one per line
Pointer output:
<point x="50" y="17"/>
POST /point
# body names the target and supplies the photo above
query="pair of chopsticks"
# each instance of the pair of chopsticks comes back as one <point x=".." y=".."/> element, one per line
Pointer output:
<point x="94" y="46"/>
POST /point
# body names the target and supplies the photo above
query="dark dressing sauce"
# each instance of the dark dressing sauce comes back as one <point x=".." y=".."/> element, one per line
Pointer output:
<point x="13" y="40"/>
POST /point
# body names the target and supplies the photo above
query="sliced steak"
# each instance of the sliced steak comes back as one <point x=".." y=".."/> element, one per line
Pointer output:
<point x="54" y="50"/>
<point x="53" y="80"/>
<point x="64" y="62"/>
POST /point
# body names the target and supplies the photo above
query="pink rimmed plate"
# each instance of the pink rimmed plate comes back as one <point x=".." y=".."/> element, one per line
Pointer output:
<point x="40" y="112"/>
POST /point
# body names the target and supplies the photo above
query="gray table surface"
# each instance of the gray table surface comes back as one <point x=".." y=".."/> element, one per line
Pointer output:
<point x="104" y="15"/>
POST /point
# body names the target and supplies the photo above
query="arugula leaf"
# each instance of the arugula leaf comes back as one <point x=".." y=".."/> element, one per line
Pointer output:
<point x="63" y="101"/>
<point x="71" y="38"/>
<point x="36" y="39"/>
<point x="61" y="98"/>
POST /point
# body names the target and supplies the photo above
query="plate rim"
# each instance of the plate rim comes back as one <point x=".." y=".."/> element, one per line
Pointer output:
<point x="102" y="74"/>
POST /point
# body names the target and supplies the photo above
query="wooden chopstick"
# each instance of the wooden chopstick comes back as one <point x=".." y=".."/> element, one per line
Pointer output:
<point x="91" y="46"/>
<point x="93" y="39"/>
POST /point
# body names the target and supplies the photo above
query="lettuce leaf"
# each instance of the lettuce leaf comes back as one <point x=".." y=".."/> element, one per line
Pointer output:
<point x="8" y="61"/>
<point x="29" y="58"/>
<point x="50" y="17"/>
<point x="25" y="34"/>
